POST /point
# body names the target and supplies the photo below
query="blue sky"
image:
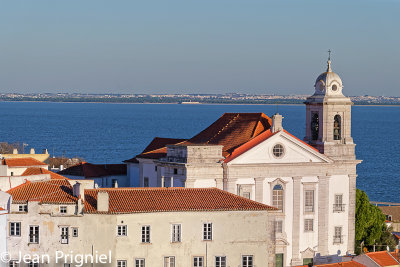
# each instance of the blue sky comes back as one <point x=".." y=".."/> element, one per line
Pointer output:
<point x="198" y="46"/>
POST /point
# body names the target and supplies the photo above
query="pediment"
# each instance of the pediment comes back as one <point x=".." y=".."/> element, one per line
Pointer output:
<point x="294" y="151"/>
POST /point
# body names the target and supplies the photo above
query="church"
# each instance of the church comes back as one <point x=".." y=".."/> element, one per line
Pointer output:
<point x="310" y="180"/>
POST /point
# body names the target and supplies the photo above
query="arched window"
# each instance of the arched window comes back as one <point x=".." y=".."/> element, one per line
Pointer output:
<point x="337" y="128"/>
<point x="277" y="196"/>
<point x="314" y="126"/>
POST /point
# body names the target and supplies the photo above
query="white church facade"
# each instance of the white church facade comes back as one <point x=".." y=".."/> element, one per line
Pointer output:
<point x="312" y="181"/>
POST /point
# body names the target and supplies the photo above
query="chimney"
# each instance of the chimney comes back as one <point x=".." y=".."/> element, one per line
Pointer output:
<point x="15" y="151"/>
<point x="78" y="190"/>
<point x="172" y="181"/>
<point x="162" y="181"/>
<point x="102" y="201"/>
<point x="45" y="151"/>
<point x="276" y="123"/>
<point x="116" y="184"/>
<point x="32" y="151"/>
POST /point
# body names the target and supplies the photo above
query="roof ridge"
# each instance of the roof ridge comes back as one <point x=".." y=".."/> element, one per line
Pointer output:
<point x="223" y="128"/>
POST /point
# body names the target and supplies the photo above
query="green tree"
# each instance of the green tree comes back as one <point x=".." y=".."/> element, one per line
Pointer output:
<point x="370" y="225"/>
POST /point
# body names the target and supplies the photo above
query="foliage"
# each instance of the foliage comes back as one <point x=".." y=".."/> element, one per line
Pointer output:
<point x="370" y="225"/>
<point x="6" y="148"/>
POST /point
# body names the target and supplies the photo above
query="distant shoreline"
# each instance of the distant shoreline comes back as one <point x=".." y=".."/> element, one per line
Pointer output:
<point x="177" y="103"/>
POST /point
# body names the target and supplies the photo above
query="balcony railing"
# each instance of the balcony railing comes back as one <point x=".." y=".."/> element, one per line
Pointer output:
<point x="338" y="239"/>
<point x="338" y="207"/>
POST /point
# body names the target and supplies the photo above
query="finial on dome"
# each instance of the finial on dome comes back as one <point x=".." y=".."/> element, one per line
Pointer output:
<point x="329" y="69"/>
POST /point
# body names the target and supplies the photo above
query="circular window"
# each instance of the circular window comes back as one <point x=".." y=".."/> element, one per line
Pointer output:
<point x="334" y="88"/>
<point x="278" y="150"/>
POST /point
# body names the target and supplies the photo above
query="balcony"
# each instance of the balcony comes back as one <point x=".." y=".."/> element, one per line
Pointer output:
<point x="338" y="240"/>
<point x="338" y="207"/>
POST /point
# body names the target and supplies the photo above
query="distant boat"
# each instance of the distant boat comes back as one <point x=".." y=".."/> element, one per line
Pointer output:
<point x="190" y="102"/>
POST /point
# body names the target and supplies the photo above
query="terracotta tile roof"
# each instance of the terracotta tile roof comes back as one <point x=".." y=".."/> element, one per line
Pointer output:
<point x="395" y="255"/>
<point x="89" y="170"/>
<point x="232" y="130"/>
<point x="382" y="258"/>
<point x="157" y="148"/>
<point x="342" y="264"/>
<point x="391" y="210"/>
<point x="51" y="191"/>
<point x="22" y="162"/>
<point x="36" y="171"/>
<point x="136" y="200"/>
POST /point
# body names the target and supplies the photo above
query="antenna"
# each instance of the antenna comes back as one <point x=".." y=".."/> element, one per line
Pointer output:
<point x="329" y="53"/>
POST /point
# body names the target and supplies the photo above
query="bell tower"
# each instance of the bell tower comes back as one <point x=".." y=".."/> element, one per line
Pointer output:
<point x="328" y="117"/>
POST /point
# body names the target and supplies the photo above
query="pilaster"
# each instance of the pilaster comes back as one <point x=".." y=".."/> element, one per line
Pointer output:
<point x="231" y="186"/>
<point x="323" y="214"/>
<point x="352" y="213"/>
<point x="259" y="189"/>
<point x="296" y="260"/>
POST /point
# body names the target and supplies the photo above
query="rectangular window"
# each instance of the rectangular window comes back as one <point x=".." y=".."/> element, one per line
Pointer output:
<point x="169" y="261"/>
<point x="15" y="229"/>
<point x="175" y="171"/>
<point x="121" y="230"/>
<point x="309" y="201"/>
<point x="34" y="234"/>
<point x="338" y="206"/>
<point x="67" y="265"/>
<point x="220" y="261"/>
<point x="176" y="233"/>
<point x="308" y="225"/>
<point x="23" y="208"/>
<point x="33" y="264"/>
<point x="277" y="197"/>
<point x="63" y="209"/>
<point x="75" y="232"/>
<point x="139" y="263"/>
<point x="198" y="262"/>
<point x="207" y="231"/>
<point x="146" y="234"/>
<point x="338" y="238"/>
<point x="247" y="261"/>
<point x="121" y="263"/>
<point x="64" y="235"/>
<point x="13" y="264"/>
<point x="146" y="182"/>
<point x="278" y="226"/>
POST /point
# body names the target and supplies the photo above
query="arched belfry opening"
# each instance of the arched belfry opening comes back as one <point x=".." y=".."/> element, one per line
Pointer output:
<point x="337" y="128"/>
<point x="315" y="126"/>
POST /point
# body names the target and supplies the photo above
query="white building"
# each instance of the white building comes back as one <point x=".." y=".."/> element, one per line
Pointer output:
<point x="312" y="182"/>
<point x="170" y="227"/>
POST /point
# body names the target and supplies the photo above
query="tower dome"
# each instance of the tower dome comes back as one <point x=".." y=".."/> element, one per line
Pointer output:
<point x="328" y="83"/>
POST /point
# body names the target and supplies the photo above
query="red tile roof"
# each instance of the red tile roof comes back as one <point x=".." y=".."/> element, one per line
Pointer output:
<point x="157" y="148"/>
<point x="22" y="162"/>
<point x="395" y="255"/>
<point x="342" y="264"/>
<point x="382" y="258"/>
<point x="135" y="200"/>
<point x="51" y="191"/>
<point x="231" y="130"/>
<point x="36" y="171"/>
<point x="236" y="132"/>
<point x="89" y="170"/>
